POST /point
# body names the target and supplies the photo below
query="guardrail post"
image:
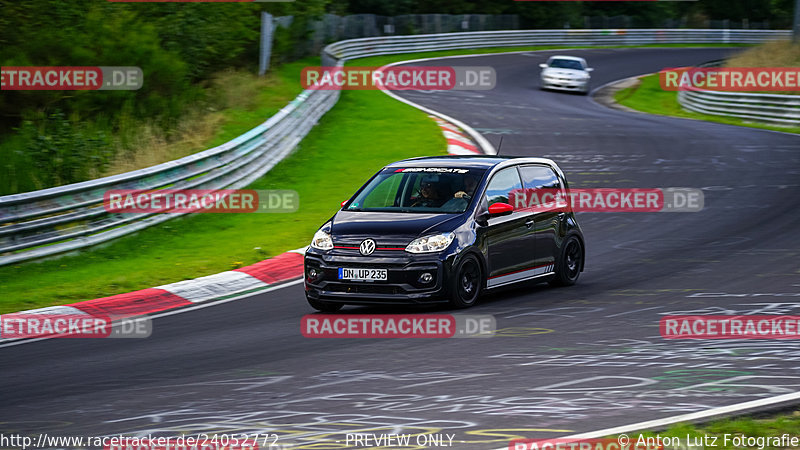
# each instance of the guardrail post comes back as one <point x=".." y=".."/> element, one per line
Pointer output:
<point x="267" y="29"/>
<point x="726" y="33"/>
<point x="796" y="25"/>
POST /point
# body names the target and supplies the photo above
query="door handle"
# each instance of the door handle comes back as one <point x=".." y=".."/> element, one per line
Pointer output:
<point x="529" y="223"/>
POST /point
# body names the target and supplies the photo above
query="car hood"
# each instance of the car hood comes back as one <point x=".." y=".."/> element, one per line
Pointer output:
<point x="384" y="227"/>
<point x="564" y="73"/>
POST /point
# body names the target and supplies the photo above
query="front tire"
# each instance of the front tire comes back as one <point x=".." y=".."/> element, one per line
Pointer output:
<point x="323" y="306"/>
<point x="466" y="283"/>
<point x="568" y="266"/>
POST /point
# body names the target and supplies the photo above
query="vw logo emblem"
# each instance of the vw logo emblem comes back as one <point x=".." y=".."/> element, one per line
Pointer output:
<point x="367" y="247"/>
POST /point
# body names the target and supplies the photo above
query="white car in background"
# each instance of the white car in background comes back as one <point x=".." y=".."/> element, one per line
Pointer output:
<point x="568" y="73"/>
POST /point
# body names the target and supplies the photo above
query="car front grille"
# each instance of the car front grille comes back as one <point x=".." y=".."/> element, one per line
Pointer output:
<point x="365" y="289"/>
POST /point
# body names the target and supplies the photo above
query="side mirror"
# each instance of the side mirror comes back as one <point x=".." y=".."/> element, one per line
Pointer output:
<point x="589" y="69"/>
<point x="500" y="209"/>
<point x="543" y="65"/>
<point x="344" y="203"/>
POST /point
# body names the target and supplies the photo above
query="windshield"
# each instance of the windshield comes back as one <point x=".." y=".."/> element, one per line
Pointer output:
<point x="419" y="190"/>
<point x="566" y="64"/>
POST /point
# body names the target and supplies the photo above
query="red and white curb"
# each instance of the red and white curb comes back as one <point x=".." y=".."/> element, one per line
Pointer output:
<point x="260" y="275"/>
<point x="284" y="267"/>
<point x="458" y="143"/>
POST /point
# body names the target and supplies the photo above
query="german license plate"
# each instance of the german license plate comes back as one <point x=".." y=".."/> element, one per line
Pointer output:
<point x="362" y="274"/>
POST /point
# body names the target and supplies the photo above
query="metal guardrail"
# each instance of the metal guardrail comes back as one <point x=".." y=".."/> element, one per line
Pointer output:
<point x="72" y="217"/>
<point x="355" y="48"/>
<point x="769" y="108"/>
<point x="66" y="218"/>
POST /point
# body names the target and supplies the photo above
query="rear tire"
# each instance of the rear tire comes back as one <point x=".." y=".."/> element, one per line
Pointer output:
<point x="323" y="306"/>
<point x="568" y="266"/>
<point x="466" y="283"/>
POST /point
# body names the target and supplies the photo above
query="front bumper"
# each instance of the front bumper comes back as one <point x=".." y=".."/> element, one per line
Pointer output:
<point x="565" y="84"/>
<point x="401" y="287"/>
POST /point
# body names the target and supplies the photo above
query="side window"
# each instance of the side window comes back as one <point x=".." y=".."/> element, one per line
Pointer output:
<point x="542" y="189"/>
<point x="504" y="185"/>
<point x="539" y="177"/>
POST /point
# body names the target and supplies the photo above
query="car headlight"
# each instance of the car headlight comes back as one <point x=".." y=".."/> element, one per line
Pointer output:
<point x="322" y="241"/>
<point x="433" y="243"/>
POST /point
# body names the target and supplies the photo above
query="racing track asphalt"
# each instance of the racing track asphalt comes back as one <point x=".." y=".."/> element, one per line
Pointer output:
<point x="565" y="360"/>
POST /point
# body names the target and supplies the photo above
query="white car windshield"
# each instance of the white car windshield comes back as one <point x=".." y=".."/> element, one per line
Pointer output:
<point x="566" y="64"/>
<point x="419" y="190"/>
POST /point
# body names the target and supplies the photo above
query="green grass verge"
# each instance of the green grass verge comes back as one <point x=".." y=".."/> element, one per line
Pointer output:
<point x="725" y="430"/>
<point x="650" y="98"/>
<point x="365" y="130"/>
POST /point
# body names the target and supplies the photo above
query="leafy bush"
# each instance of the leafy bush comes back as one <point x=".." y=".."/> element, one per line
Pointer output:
<point x="64" y="151"/>
<point x="179" y="47"/>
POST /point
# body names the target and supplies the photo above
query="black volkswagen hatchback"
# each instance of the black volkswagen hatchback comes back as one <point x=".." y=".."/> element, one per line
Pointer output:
<point x="444" y="229"/>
